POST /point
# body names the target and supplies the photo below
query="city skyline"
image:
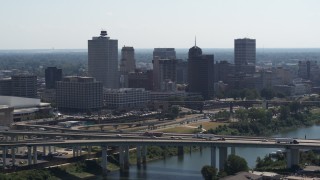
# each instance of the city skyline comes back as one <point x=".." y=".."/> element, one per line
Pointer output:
<point x="37" y="24"/>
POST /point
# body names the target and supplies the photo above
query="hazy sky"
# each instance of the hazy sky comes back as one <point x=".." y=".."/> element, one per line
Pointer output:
<point x="43" y="24"/>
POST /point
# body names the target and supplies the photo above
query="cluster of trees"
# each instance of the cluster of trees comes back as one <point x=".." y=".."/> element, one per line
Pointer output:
<point x="35" y="62"/>
<point x="233" y="165"/>
<point x="251" y="94"/>
<point x="258" y="121"/>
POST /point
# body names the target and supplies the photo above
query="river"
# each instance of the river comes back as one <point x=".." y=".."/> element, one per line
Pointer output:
<point x="188" y="166"/>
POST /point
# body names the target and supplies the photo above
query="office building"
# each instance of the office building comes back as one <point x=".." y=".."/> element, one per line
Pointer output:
<point x="182" y="71"/>
<point x="141" y="79"/>
<point x="200" y="73"/>
<point x="103" y="60"/>
<point x="222" y="70"/>
<point x="128" y="62"/>
<point x="6" y="87"/>
<point x="164" y="66"/>
<point x="24" y="85"/>
<point x="6" y="115"/>
<point x="52" y="75"/>
<point x="245" y="55"/>
<point x="76" y="93"/>
<point x="126" y="98"/>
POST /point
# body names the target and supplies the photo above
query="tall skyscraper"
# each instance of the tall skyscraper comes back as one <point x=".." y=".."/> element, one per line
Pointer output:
<point x="128" y="62"/>
<point x="200" y="73"/>
<point x="103" y="60"/>
<point x="24" y="86"/>
<point x="164" y="66"/>
<point x="52" y="75"/>
<point x="245" y="55"/>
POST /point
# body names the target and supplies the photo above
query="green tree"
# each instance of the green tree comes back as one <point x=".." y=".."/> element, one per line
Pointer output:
<point x="235" y="164"/>
<point x="267" y="93"/>
<point x="208" y="172"/>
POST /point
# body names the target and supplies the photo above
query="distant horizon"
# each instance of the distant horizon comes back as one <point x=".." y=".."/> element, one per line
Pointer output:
<point x="147" y="48"/>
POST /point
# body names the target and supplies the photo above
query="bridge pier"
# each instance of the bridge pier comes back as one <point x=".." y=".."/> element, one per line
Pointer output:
<point x="104" y="159"/>
<point x="138" y="155"/>
<point x="4" y="156"/>
<point x="126" y="157"/>
<point x="29" y="156"/>
<point x="89" y="151"/>
<point x="121" y="158"/>
<point x="233" y="150"/>
<point x="231" y="107"/>
<point x="223" y="155"/>
<point x="293" y="157"/>
<point x="13" y="155"/>
<point x="213" y="156"/>
<point x="35" y="155"/>
<point x="144" y="154"/>
<point x="44" y="150"/>
<point x="73" y="151"/>
<point x="180" y="151"/>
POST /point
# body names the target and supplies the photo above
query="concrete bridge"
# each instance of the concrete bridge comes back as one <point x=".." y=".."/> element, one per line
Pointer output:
<point x="123" y="144"/>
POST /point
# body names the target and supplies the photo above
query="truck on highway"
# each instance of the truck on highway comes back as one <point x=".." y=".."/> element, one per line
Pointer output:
<point x="204" y="136"/>
<point x="153" y="134"/>
<point x="286" y="140"/>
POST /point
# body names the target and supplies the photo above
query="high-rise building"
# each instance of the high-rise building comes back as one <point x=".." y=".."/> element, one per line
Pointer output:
<point x="6" y="87"/>
<point x="24" y="86"/>
<point x="52" y="75"/>
<point x="128" y="62"/>
<point x="164" y="53"/>
<point x="79" y="93"/>
<point x="103" y="60"/>
<point x="245" y="55"/>
<point x="182" y="71"/>
<point x="164" y="66"/>
<point x="200" y="73"/>
<point x="222" y="70"/>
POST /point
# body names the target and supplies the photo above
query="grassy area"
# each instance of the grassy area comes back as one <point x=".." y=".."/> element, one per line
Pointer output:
<point x="189" y="128"/>
<point x="315" y="111"/>
<point x="209" y="125"/>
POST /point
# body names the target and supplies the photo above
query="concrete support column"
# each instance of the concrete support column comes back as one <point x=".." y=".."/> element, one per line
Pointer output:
<point x="121" y="158"/>
<point x="180" y="151"/>
<point x="13" y="155"/>
<point x="49" y="149"/>
<point x="126" y="157"/>
<point x="80" y="150"/>
<point x="213" y="156"/>
<point x="138" y="155"/>
<point x="44" y="150"/>
<point x="233" y="150"/>
<point x="223" y="155"/>
<point x="144" y="154"/>
<point x="77" y="151"/>
<point x="73" y="151"/>
<point x="293" y="157"/>
<point x="29" y="155"/>
<point x="35" y="155"/>
<point x="89" y="151"/>
<point x="4" y="156"/>
<point x="54" y="149"/>
<point x="104" y="159"/>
